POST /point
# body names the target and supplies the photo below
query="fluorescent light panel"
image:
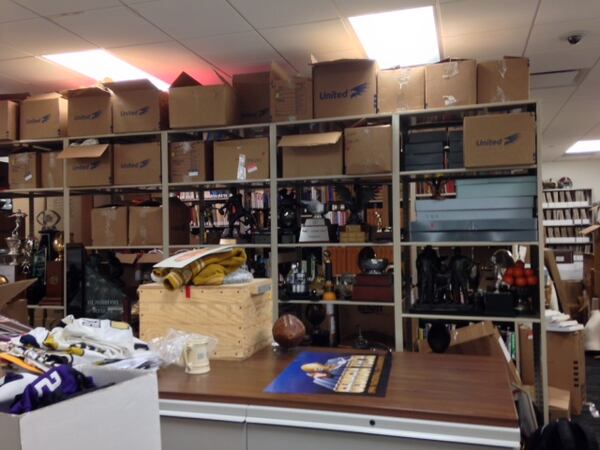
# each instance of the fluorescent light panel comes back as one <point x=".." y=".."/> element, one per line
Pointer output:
<point x="587" y="146"/>
<point x="100" y="65"/>
<point x="406" y="37"/>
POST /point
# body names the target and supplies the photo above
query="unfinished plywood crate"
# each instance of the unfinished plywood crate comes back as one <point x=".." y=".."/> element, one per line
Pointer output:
<point x="240" y="316"/>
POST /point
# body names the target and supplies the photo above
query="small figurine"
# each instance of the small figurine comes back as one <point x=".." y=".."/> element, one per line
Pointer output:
<point x="235" y="211"/>
<point x="428" y="266"/>
<point x="19" y="218"/>
<point x="357" y="202"/>
<point x="462" y="271"/>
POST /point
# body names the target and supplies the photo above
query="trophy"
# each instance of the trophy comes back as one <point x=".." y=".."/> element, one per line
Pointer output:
<point x="13" y="242"/>
<point x="379" y="233"/>
<point x="356" y="203"/>
<point x="287" y="216"/>
<point x="375" y="283"/>
<point x="54" y="273"/>
<point x="48" y="219"/>
<point x="315" y="228"/>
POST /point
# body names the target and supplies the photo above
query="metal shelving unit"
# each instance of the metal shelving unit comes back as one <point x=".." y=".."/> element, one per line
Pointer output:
<point x="396" y="179"/>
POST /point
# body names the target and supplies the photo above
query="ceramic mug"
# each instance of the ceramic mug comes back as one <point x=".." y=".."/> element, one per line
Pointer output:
<point x="195" y="356"/>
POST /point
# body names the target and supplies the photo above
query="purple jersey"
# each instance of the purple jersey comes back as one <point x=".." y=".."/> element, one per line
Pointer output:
<point x="54" y="386"/>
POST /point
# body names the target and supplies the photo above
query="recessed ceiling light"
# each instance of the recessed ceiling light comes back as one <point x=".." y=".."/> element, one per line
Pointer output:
<point x="406" y="37"/>
<point x="586" y="146"/>
<point x="100" y="65"/>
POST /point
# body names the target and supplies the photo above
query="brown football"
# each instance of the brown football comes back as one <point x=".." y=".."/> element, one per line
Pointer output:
<point x="288" y="331"/>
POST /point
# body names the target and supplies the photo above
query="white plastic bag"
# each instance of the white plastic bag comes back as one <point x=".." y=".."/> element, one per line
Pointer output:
<point x="170" y="347"/>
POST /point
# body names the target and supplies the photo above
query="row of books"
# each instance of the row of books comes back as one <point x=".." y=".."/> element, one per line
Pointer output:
<point x="568" y="196"/>
<point x="254" y="199"/>
<point x="563" y="232"/>
<point x="567" y="214"/>
<point x="424" y="188"/>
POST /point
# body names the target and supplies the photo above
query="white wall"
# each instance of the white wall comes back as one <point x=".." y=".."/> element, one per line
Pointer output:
<point x="584" y="173"/>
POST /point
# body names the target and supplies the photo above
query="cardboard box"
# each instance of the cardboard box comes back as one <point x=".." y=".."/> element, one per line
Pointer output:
<point x="311" y="155"/>
<point x="401" y="89"/>
<point x="481" y="339"/>
<point x="88" y="165"/>
<point x="80" y="209"/>
<point x="190" y="161"/>
<point x="90" y="111"/>
<point x="109" y="226"/>
<point x="9" y="119"/>
<point x="526" y="360"/>
<point x="451" y="83"/>
<point x="240" y="317"/>
<point x="138" y="106"/>
<point x="272" y="96"/>
<point x="193" y="105"/>
<point x="12" y="305"/>
<point x="24" y="170"/>
<point x="503" y="80"/>
<point x="558" y="402"/>
<point x="43" y="116"/>
<point x="346" y="87"/>
<point x="51" y="170"/>
<point x="136" y="164"/>
<point x="241" y="159"/>
<point x="127" y="404"/>
<point x="145" y="224"/>
<point x="592" y="262"/>
<point x="499" y="140"/>
<point x="368" y="150"/>
<point x="566" y="366"/>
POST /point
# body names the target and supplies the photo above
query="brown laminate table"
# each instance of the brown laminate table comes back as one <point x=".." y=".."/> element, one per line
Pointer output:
<point x="461" y="401"/>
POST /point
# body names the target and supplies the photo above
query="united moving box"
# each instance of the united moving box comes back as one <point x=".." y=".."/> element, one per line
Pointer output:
<point x="24" y="170"/>
<point x="43" y="116"/>
<point x="240" y="316"/>
<point x="190" y="161"/>
<point x="136" y="164"/>
<point x="127" y="404"/>
<point x="346" y="87"/>
<point x="499" y="140"/>
<point x="109" y="226"/>
<point x="566" y="365"/>
<point x="272" y="96"/>
<point x="241" y="159"/>
<point x="311" y="155"/>
<point x="90" y="111"/>
<point x="401" y="89"/>
<point x="145" y="224"/>
<point x="503" y="80"/>
<point x="193" y="105"/>
<point x="368" y="150"/>
<point x="11" y="304"/>
<point x="80" y="208"/>
<point x="138" y="106"/>
<point x="451" y="83"/>
<point x="88" y="165"/>
<point x="51" y="172"/>
<point x="9" y="116"/>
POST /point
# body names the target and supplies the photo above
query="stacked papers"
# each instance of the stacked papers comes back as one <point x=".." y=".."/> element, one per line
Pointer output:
<point x="557" y="321"/>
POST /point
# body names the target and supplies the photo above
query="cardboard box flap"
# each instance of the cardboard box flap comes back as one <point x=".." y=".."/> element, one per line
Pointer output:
<point x="92" y="91"/>
<point x="10" y="291"/>
<point x="590" y="229"/>
<point x="49" y="96"/>
<point x="150" y="258"/>
<point x="83" y="151"/>
<point x="344" y="60"/>
<point x="131" y="85"/>
<point x="280" y="72"/>
<point x="184" y="80"/>
<point x="127" y="258"/>
<point x="15" y="97"/>
<point x="310" y="140"/>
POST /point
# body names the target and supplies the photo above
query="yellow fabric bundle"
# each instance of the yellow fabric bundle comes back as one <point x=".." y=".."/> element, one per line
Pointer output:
<point x="209" y="271"/>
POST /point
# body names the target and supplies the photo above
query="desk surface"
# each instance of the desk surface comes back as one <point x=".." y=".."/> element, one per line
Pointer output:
<point x="450" y="388"/>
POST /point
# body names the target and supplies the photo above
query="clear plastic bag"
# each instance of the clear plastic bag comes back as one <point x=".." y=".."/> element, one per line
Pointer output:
<point x="170" y="347"/>
<point x="242" y="275"/>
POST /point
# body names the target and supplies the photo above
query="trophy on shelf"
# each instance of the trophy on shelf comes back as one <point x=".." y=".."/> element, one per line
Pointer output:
<point x="236" y="213"/>
<point x="287" y="217"/>
<point x="356" y="203"/>
<point x="48" y="219"/>
<point x="13" y="242"/>
<point x="380" y="233"/>
<point x="375" y="283"/>
<point x="315" y="228"/>
<point x="54" y="273"/>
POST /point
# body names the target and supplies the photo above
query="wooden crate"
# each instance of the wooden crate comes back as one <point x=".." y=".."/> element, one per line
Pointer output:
<point x="240" y="316"/>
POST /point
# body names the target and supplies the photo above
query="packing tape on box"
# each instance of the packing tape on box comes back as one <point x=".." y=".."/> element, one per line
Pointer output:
<point x="502" y="68"/>
<point x="451" y="70"/>
<point x="449" y="100"/>
<point x="109" y="219"/>
<point x="500" y="95"/>
<point x="403" y="78"/>
<point x="241" y="170"/>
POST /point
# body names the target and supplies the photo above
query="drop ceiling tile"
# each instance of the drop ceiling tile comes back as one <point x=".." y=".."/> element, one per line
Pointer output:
<point x="550" y="102"/>
<point x="566" y="59"/>
<point x="481" y="16"/>
<point x="349" y="8"/>
<point x="10" y="11"/>
<point x="486" y="45"/>
<point x="247" y="46"/>
<point x="8" y="52"/>
<point x="10" y="86"/>
<point x="125" y="27"/>
<point x="193" y="18"/>
<point x="39" y="73"/>
<point x="167" y="60"/>
<point x="547" y="37"/>
<point x="278" y="13"/>
<point x="319" y="38"/>
<point x="54" y="7"/>
<point x="556" y="11"/>
<point x="40" y="37"/>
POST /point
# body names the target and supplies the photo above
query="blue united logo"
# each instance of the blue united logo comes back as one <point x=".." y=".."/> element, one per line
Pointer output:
<point x="353" y="92"/>
<point x="507" y="140"/>
<point x="90" y="116"/>
<point x="136" y="112"/>
<point x="136" y="165"/>
<point x="511" y="139"/>
<point x="45" y="118"/>
<point x="358" y="90"/>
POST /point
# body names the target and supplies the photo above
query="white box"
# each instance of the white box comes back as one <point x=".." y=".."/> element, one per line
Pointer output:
<point x="122" y="416"/>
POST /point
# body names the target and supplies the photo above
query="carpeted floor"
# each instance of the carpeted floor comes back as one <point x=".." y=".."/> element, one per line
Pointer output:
<point x="593" y="394"/>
